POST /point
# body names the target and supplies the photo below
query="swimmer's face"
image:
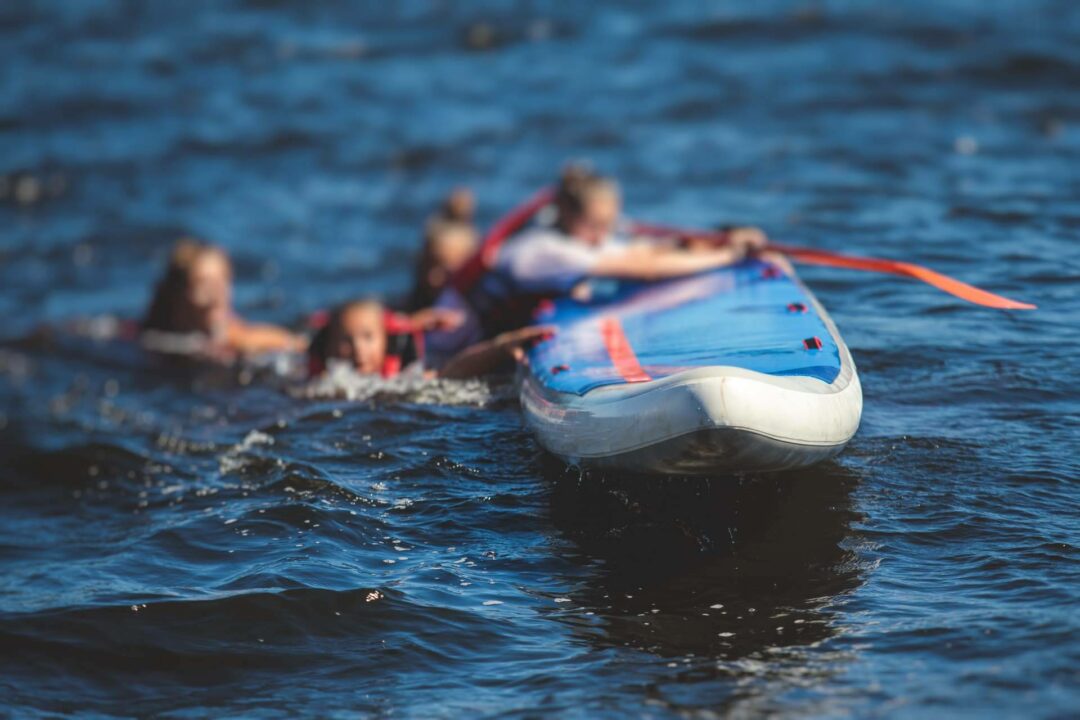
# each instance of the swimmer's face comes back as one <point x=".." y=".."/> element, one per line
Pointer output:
<point x="598" y="216"/>
<point x="210" y="289"/>
<point x="451" y="248"/>
<point x="361" y="337"/>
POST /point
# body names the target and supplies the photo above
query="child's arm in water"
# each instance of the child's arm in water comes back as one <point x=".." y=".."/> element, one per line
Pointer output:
<point x="483" y="358"/>
<point x="248" y="338"/>
<point x="437" y="319"/>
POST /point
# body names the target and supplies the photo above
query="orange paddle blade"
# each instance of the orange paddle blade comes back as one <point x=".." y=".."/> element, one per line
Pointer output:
<point x="894" y="267"/>
<point x="811" y="256"/>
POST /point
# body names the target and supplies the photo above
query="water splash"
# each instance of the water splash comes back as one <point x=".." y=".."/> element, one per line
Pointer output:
<point x="341" y="382"/>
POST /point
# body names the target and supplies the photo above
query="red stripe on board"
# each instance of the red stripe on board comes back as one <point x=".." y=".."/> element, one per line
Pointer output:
<point x="622" y="355"/>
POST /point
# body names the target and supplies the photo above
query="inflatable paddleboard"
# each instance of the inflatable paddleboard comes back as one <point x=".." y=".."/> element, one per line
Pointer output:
<point x="737" y="369"/>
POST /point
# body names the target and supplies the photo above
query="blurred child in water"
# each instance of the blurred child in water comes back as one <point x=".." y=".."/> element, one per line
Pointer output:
<point x="191" y="311"/>
<point x="371" y="339"/>
<point x="448" y="244"/>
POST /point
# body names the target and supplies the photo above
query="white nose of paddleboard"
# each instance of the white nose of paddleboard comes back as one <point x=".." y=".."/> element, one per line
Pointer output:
<point x="700" y="375"/>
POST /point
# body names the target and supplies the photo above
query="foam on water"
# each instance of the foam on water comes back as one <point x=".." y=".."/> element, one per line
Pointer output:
<point x="409" y="386"/>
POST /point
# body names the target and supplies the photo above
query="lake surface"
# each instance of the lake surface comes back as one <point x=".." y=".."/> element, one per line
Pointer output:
<point x="190" y="542"/>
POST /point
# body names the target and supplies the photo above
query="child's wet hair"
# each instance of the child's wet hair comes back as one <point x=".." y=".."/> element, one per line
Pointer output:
<point x="166" y="313"/>
<point x="576" y="183"/>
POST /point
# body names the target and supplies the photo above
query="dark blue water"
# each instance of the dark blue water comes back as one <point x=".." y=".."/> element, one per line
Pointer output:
<point x="190" y="542"/>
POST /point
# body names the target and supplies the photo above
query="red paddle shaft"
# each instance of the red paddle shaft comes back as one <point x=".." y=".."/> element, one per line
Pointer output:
<point x="827" y="258"/>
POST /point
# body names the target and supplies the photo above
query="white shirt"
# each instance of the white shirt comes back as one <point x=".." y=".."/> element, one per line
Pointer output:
<point x="544" y="260"/>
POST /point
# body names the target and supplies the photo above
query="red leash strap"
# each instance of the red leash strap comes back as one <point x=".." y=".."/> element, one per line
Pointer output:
<point x="812" y="256"/>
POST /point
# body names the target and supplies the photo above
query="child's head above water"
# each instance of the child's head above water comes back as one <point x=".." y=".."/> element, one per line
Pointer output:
<point x="355" y="333"/>
<point x="588" y="204"/>
<point x="448" y="245"/>
<point x="375" y="340"/>
<point x="195" y="293"/>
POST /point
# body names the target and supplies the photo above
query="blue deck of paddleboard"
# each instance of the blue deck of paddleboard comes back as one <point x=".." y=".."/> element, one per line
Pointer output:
<point x="737" y="316"/>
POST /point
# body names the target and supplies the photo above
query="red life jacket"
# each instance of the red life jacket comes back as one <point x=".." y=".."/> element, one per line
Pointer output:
<point x="404" y="343"/>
